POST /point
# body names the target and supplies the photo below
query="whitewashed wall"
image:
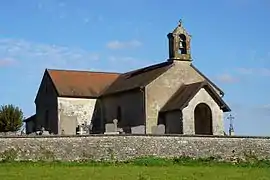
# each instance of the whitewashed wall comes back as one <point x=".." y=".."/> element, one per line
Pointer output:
<point x="217" y="114"/>
<point x="81" y="108"/>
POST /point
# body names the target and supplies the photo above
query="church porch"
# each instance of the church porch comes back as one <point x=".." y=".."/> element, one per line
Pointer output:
<point x="194" y="109"/>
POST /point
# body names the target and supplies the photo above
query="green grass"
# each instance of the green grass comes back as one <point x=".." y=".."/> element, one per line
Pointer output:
<point x="139" y="169"/>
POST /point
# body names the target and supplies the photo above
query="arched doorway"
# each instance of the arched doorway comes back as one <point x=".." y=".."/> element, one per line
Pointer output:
<point x="203" y="119"/>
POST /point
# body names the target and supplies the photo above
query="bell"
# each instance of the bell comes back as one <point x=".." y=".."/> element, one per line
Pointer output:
<point x="181" y="45"/>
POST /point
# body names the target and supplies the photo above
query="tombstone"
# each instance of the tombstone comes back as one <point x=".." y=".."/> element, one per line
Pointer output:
<point x="81" y="131"/>
<point x="115" y="122"/>
<point x="110" y="129"/>
<point x="120" y="130"/>
<point x="138" y="130"/>
<point x="90" y="128"/>
<point x="68" y="124"/>
<point x="153" y="129"/>
<point x="32" y="134"/>
<point x="160" y="129"/>
<point x="45" y="133"/>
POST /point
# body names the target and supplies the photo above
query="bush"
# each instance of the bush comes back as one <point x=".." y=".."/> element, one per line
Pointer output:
<point x="11" y="118"/>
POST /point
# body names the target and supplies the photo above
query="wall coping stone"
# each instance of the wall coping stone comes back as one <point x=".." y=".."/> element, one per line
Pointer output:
<point x="134" y="135"/>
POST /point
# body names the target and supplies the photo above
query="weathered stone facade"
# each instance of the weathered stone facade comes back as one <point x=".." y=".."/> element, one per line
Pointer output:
<point x="80" y="108"/>
<point x="217" y="114"/>
<point x="50" y="108"/>
<point x="131" y="105"/>
<point x="46" y="106"/>
<point x="135" y="98"/>
<point x="161" y="89"/>
<point x="105" y="147"/>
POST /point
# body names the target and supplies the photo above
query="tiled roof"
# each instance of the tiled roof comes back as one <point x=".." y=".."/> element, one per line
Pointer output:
<point x="88" y="84"/>
<point x="71" y="83"/>
<point x="186" y="92"/>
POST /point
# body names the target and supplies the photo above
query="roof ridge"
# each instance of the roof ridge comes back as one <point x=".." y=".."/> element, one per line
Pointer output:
<point x="73" y="70"/>
<point x="147" y="68"/>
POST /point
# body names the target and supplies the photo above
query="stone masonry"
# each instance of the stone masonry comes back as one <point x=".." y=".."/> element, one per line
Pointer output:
<point x="118" y="147"/>
<point x="79" y="107"/>
<point x="217" y="115"/>
<point x="135" y="98"/>
<point x="161" y="89"/>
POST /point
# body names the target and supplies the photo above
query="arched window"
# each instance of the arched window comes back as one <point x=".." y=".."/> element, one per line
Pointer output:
<point x="182" y="44"/>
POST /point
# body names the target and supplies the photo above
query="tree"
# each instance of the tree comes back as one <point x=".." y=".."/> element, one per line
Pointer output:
<point x="11" y="118"/>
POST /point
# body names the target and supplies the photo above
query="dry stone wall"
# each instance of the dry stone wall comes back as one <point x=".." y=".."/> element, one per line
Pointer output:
<point x="123" y="147"/>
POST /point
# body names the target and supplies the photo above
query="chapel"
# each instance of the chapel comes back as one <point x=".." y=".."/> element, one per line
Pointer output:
<point x="171" y="97"/>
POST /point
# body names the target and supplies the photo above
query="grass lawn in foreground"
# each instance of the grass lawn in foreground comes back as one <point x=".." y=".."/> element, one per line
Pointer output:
<point x="54" y="171"/>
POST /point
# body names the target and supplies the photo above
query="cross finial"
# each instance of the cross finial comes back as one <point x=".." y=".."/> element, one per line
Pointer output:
<point x="180" y="23"/>
<point x="231" y="129"/>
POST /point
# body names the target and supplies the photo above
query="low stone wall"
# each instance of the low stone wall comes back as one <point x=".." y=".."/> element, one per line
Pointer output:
<point x="123" y="147"/>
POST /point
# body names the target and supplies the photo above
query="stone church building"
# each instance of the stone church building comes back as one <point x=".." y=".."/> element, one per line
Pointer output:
<point x="172" y="93"/>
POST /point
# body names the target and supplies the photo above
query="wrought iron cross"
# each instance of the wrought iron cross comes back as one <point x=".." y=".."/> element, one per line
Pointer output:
<point x="180" y="23"/>
<point x="230" y="118"/>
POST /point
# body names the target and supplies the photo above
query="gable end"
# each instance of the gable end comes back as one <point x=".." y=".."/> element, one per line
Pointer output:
<point x="186" y="92"/>
<point x="46" y="76"/>
<point x="208" y="80"/>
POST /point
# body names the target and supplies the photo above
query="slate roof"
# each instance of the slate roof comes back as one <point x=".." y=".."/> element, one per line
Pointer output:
<point x="137" y="78"/>
<point x="187" y="91"/>
<point x="31" y="118"/>
<point x="87" y="84"/>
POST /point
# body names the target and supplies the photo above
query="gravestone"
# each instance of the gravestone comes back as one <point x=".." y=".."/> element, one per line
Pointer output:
<point x="81" y="130"/>
<point x="110" y="129"/>
<point x="45" y="133"/>
<point x="115" y="122"/>
<point x="138" y="129"/>
<point x="68" y="124"/>
<point x="160" y="129"/>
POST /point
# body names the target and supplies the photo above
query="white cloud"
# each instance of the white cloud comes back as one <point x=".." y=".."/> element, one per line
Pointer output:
<point x="62" y="4"/>
<point x="128" y="60"/>
<point x="121" y="63"/>
<point x="122" y="59"/>
<point x="263" y="109"/>
<point x="226" y="78"/>
<point x="6" y="62"/>
<point x="265" y="72"/>
<point x="26" y="52"/>
<point x="121" y="44"/>
<point x="254" y="71"/>
<point x="100" y="18"/>
<point x="245" y="70"/>
<point x="86" y="20"/>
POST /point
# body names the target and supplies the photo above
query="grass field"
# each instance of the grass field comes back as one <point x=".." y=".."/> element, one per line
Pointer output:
<point x="132" y="171"/>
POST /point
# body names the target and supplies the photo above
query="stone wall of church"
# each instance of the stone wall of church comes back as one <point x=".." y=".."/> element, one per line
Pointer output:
<point x="174" y="122"/>
<point x="46" y="103"/>
<point x="131" y="105"/>
<point x="105" y="147"/>
<point x="159" y="91"/>
<point x="188" y="113"/>
<point x="80" y="108"/>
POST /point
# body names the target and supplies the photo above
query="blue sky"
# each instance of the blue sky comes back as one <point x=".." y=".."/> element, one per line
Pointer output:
<point x="230" y="44"/>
